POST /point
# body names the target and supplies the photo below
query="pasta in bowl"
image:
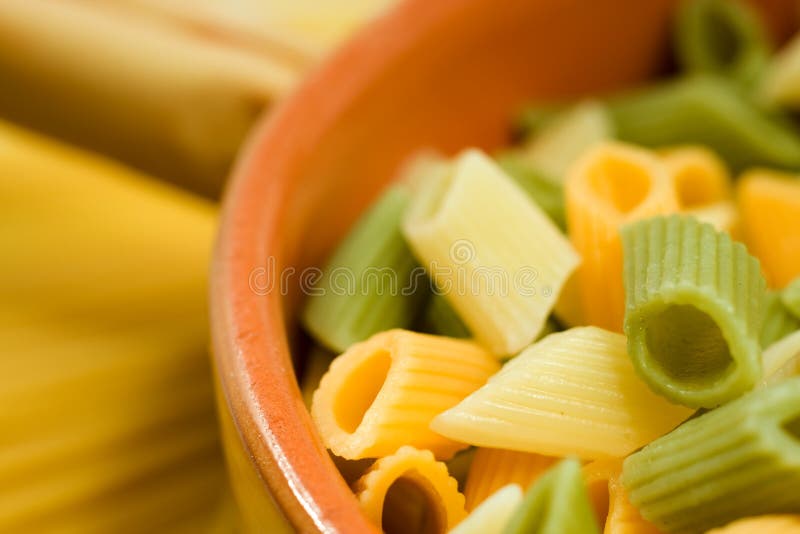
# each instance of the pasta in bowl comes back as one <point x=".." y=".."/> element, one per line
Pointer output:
<point x="304" y="180"/>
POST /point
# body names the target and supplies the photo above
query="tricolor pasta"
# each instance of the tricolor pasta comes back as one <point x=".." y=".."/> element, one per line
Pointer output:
<point x="566" y="401"/>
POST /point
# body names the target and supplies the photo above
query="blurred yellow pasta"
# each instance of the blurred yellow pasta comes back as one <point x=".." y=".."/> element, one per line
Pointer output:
<point x="573" y="393"/>
<point x="383" y="393"/>
<point x="767" y="524"/>
<point x="699" y="176"/>
<point x="491" y="469"/>
<point x="410" y="491"/>
<point x="769" y="204"/>
<point x="493" y="252"/>
<point x="607" y="187"/>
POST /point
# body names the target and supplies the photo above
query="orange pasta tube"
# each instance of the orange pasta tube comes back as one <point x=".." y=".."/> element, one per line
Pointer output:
<point x="769" y="204"/>
<point x="384" y="392"/>
<point x="699" y="176"/>
<point x="609" y="186"/>
<point x="410" y="491"/>
<point x="610" y="500"/>
<point x="767" y="524"/>
<point x="491" y="469"/>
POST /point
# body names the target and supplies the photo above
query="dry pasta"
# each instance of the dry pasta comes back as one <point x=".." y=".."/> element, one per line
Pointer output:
<point x="494" y="254"/>
<point x="492" y="469"/>
<point x="767" y="524"/>
<point x="693" y="310"/>
<point x="410" y="491"/>
<point x="382" y="393"/>
<point x="782" y="359"/>
<point x="573" y="393"/>
<point x="607" y="187"/>
<point x="769" y="204"/>
<point x="493" y="513"/>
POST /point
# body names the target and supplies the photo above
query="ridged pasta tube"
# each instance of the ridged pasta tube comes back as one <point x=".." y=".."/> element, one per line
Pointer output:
<point x="369" y="284"/>
<point x="740" y="460"/>
<point x="492" y="469"/>
<point x="410" y="491"/>
<point x="693" y="313"/>
<point x="572" y="393"/>
<point x="609" y="186"/>
<point x="493" y="253"/>
<point x="382" y="393"/>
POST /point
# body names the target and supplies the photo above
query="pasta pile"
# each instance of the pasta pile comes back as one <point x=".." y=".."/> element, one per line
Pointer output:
<point x="596" y="330"/>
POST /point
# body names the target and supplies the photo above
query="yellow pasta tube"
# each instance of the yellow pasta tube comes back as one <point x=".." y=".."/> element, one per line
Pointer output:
<point x="384" y="392"/>
<point x="769" y="204"/>
<point x="410" y="491"/>
<point x="781" y="359"/>
<point x="575" y="393"/>
<point x="610" y="185"/>
<point x="722" y="215"/>
<point x="495" y="255"/>
<point x="766" y="524"/>
<point x="493" y="514"/>
<point x="699" y="176"/>
<point x="610" y="500"/>
<point x="491" y="469"/>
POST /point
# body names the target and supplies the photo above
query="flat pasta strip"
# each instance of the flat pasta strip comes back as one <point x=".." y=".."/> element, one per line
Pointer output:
<point x="609" y="186"/>
<point x="706" y="110"/>
<point x="497" y="258"/>
<point x="410" y="491"/>
<point x="693" y="310"/>
<point x="382" y="393"/>
<point x="556" y="503"/>
<point x="769" y="204"/>
<point x="742" y="459"/>
<point x="610" y="500"/>
<point x="722" y="37"/>
<point x="492" y="469"/>
<point x="572" y="393"/>
<point x="766" y="524"/>
<point x="493" y="514"/>
<point x="369" y="283"/>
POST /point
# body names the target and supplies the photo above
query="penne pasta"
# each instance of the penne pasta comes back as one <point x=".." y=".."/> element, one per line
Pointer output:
<point x="742" y="459"/>
<point x="781" y="83"/>
<point x="498" y="259"/>
<point x="610" y="500"/>
<point x="693" y="310"/>
<point x="410" y="491"/>
<point x="769" y="203"/>
<point x="441" y="319"/>
<point x="777" y="323"/>
<point x="782" y="359"/>
<point x="491" y="469"/>
<point x="554" y="148"/>
<point x="546" y="192"/>
<point x="557" y="502"/>
<point x="573" y="393"/>
<point x="706" y="110"/>
<point x="766" y="524"/>
<point x="609" y="186"/>
<point x="723" y="37"/>
<point x="382" y="393"/>
<point x="700" y="177"/>
<point x="493" y="514"/>
<point x="369" y="284"/>
<point x="790" y="296"/>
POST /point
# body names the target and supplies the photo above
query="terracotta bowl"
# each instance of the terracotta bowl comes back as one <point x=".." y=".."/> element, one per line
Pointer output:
<point x="445" y="74"/>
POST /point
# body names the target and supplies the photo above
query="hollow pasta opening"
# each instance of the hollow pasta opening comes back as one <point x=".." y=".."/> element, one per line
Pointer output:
<point x="688" y="345"/>
<point x="360" y="390"/>
<point x="620" y="183"/>
<point x="412" y="504"/>
<point x="693" y="188"/>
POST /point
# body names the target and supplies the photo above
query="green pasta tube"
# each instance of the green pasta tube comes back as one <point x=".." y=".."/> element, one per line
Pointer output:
<point x="742" y="459"/>
<point x="441" y="319"/>
<point x="707" y="110"/>
<point x="778" y="322"/>
<point x="371" y="283"/>
<point x="723" y="37"/>
<point x="693" y="310"/>
<point x="557" y="503"/>
<point x="790" y="296"/>
<point x="543" y="190"/>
